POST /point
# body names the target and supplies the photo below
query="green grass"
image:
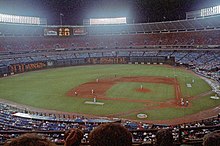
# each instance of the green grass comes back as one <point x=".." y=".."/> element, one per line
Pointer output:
<point x="158" y="92"/>
<point x="47" y="88"/>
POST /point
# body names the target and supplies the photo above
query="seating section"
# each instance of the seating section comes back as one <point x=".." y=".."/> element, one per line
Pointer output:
<point x="12" y="119"/>
<point x="199" y="38"/>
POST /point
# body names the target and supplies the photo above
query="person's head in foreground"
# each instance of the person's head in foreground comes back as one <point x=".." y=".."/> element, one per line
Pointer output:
<point x="110" y="134"/>
<point x="164" y="137"/>
<point x="212" y="139"/>
<point x="29" y="140"/>
<point x="73" y="137"/>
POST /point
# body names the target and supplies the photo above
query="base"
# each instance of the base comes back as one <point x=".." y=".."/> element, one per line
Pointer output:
<point x="214" y="97"/>
<point x="94" y="103"/>
<point x="141" y="116"/>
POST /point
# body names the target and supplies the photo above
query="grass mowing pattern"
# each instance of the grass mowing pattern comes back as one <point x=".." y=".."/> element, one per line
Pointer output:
<point x="47" y="88"/>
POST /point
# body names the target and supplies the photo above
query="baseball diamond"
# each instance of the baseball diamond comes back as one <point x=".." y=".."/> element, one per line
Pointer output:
<point x="121" y="94"/>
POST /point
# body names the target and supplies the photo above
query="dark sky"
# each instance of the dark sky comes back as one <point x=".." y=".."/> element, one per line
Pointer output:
<point x="75" y="11"/>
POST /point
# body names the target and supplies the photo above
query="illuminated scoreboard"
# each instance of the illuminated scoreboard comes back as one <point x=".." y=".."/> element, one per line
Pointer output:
<point x="210" y="11"/>
<point x="106" y="21"/>
<point x="64" y="31"/>
<point x="61" y="31"/>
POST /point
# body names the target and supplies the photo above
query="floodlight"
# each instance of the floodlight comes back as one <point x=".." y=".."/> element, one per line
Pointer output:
<point x="210" y="11"/>
<point x="19" y="19"/>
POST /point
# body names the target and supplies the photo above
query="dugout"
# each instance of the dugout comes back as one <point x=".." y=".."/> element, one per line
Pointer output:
<point x="3" y="70"/>
<point x="66" y="62"/>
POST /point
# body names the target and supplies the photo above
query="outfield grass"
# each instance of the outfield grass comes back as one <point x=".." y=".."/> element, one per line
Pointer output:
<point x="47" y="88"/>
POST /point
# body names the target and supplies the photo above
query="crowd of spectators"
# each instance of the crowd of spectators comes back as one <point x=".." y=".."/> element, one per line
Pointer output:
<point x="203" y="62"/>
<point x="196" y="38"/>
<point x="48" y="48"/>
<point x="141" y="132"/>
<point x="206" y="60"/>
<point x="112" y="134"/>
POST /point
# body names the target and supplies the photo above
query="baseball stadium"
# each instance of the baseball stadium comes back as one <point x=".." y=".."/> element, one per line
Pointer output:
<point x="146" y="76"/>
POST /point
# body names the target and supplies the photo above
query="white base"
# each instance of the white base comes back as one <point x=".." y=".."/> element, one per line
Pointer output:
<point x="214" y="97"/>
<point x="141" y="116"/>
<point x="94" y="103"/>
<point x="189" y="85"/>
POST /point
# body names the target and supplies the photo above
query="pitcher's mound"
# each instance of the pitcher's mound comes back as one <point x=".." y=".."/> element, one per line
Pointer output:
<point x="144" y="90"/>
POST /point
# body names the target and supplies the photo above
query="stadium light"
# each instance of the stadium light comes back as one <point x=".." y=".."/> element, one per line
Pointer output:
<point x="5" y="18"/>
<point x="106" y="21"/>
<point x="210" y="11"/>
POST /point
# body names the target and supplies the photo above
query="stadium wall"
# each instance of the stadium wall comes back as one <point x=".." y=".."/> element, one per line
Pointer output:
<point x="24" y="67"/>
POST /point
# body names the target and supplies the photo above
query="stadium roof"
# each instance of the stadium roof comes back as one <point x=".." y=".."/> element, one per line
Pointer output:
<point x="74" y="11"/>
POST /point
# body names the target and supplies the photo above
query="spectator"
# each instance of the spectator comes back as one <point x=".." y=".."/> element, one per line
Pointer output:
<point x="73" y="137"/>
<point x="212" y="139"/>
<point x="164" y="137"/>
<point x="111" y="134"/>
<point x="29" y="140"/>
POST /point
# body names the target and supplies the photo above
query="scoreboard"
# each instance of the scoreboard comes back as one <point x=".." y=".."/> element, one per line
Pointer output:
<point x="64" y="31"/>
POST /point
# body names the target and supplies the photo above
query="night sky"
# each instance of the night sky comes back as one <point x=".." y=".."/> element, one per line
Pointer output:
<point x="74" y="11"/>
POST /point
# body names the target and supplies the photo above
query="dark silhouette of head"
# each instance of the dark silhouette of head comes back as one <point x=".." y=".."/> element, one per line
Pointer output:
<point x="29" y="140"/>
<point x="73" y="137"/>
<point x="212" y="139"/>
<point x="110" y="134"/>
<point x="164" y="137"/>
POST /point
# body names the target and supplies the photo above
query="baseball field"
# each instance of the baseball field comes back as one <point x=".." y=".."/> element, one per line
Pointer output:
<point x="124" y="91"/>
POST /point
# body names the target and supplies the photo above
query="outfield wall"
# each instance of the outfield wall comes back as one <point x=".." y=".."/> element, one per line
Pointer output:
<point x="24" y="67"/>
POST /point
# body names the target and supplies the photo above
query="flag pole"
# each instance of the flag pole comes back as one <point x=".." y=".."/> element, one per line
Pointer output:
<point x="61" y="20"/>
